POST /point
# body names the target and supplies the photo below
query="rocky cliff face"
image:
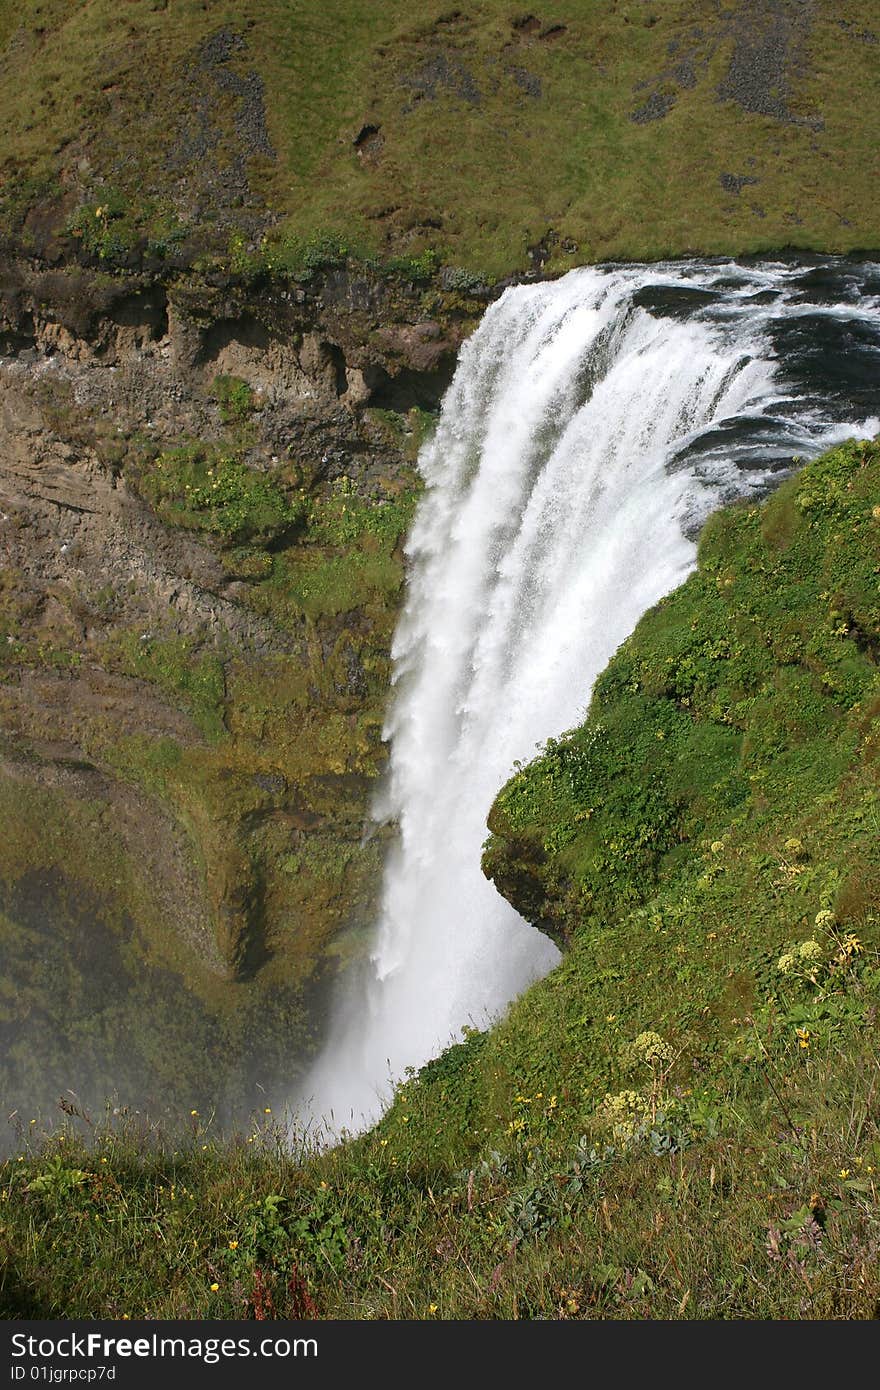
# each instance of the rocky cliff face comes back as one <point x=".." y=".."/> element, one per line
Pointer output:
<point x="203" y="492"/>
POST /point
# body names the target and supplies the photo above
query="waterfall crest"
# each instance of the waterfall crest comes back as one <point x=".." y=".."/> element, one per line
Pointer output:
<point x="592" y="425"/>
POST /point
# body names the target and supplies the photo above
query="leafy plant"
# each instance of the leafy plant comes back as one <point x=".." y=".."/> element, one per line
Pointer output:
<point x="235" y="398"/>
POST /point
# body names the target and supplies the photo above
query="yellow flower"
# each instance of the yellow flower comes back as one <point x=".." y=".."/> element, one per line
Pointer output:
<point x="214" y="1288"/>
<point x="194" y="1112"/>
<point x="432" y="1308"/>
<point x="267" y="1110"/>
<point x="803" y="1037"/>
<point x="844" y="1173"/>
<point x="233" y="1245"/>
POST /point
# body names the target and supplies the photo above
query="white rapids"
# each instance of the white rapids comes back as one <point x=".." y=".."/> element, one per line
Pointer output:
<point x="593" y="422"/>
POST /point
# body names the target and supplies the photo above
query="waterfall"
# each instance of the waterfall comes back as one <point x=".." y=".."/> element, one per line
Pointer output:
<point x="592" y="425"/>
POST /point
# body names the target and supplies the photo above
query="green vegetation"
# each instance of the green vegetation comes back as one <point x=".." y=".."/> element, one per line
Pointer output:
<point x="349" y="556"/>
<point x="681" y="1120"/>
<point x="266" y="135"/>
<point x="235" y="398"/>
<point x="196" y="677"/>
<point x="204" y="488"/>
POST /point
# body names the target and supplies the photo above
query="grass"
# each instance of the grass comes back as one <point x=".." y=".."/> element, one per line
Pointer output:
<point x="196" y="678"/>
<point x="681" y="1120"/>
<point x="464" y="136"/>
<point x="205" y="488"/>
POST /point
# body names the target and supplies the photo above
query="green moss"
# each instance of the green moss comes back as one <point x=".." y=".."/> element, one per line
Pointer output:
<point x="179" y="668"/>
<point x="235" y="398"/>
<point x="349" y="558"/>
<point x="202" y="488"/>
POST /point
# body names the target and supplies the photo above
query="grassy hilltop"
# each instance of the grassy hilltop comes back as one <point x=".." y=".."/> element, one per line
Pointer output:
<point x="498" y="137"/>
<point x="682" y="1120"/>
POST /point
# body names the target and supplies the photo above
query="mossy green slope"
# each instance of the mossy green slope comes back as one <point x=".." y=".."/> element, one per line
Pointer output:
<point x="681" y="1120"/>
<point x="598" y="129"/>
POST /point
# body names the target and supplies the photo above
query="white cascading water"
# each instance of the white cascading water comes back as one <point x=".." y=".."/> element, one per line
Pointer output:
<point x="581" y="443"/>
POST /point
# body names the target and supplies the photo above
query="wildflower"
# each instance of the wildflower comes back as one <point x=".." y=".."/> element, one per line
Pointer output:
<point x="622" y="1112"/>
<point x="233" y="1245"/>
<point x="793" y="846"/>
<point x="785" y="964"/>
<point x="825" y="919"/>
<point x="649" y="1047"/>
<point x="322" y="1185"/>
<point x="810" y="951"/>
<point x="844" y="1173"/>
<point x="383" y="1143"/>
<point x="803" y="1037"/>
<point x="717" y="846"/>
<point x="609" y="1018"/>
<point x="194" y="1112"/>
<point x="214" y="1288"/>
<point x="432" y="1308"/>
<point x="267" y="1110"/>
